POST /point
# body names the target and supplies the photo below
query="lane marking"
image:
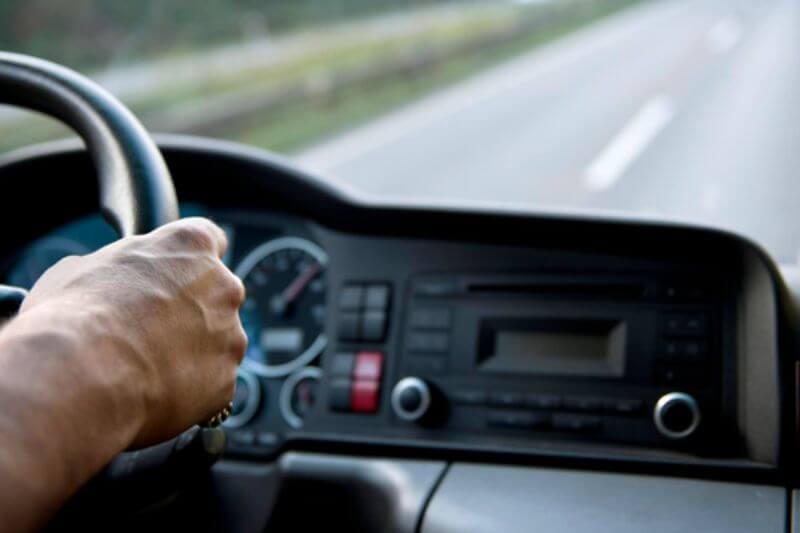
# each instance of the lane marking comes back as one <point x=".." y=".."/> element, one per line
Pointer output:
<point x="537" y="64"/>
<point x="724" y="35"/>
<point x="631" y="141"/>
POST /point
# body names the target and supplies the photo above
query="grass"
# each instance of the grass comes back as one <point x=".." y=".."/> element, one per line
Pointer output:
<point x="294" y="127"/>
<point x="294" y="114"/>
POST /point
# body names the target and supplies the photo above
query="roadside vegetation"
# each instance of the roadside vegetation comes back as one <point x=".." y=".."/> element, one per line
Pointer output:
<point x="316" y="71"/>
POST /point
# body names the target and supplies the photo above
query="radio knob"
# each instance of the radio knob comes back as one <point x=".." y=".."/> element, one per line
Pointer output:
<point x="676" y="415"/>
<point x="411" y="399"/>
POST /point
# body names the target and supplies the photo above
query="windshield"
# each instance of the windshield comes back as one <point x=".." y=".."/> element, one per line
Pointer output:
<point x="675" y="108"/>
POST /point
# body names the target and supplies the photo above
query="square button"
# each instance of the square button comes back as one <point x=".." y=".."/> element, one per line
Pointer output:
<point x="351" y="298"/>
<point x="349" y="326"/>
<point x="364" y="396"/>
<point x="342" y="365"/>
<point x="368" y="366"/>
<point x="428" y="342"/>
<point x="377" y="297"/>
<point x="339" y="395"/>
<point x="426" y="364"/>
<point x="373" y="326"/>
<point x="431" y="318"/>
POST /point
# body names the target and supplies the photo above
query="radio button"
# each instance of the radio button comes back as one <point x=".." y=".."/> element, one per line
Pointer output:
<point x="681" y="373"/>
<point x="676" y="349"/>
<point x="426" y="364"/>
<point x="428" y="342"/>
<point x="686" y="325"/>
<point x="518" y="420"/>
<point x="431" y="318"/>
<point x="579" y="424"/>
<point x="583" y="403"/>
<point x="543" y="401"/>
<point x="469" y="397"/>
<point x="436" y="286"/>
<point x="506" y="399"/>
<point x="624" y="407"/>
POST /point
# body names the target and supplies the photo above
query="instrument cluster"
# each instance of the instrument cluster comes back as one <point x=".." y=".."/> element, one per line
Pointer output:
<point x="283" y="270"/>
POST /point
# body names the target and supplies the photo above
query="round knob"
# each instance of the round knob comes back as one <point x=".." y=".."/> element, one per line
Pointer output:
<point x="676" y="415"/>
<point x="411" y="399"/>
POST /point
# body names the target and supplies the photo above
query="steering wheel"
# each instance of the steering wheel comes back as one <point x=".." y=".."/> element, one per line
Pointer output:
<point x="136" y="195"/>
<point x="136" y="190"/>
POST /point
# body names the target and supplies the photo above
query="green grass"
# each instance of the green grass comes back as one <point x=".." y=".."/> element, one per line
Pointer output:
<point x="294" y="127"/>
<point x="307" y="117"/>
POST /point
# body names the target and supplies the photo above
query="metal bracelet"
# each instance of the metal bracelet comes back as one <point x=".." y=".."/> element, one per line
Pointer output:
<point x="218" y="418"/>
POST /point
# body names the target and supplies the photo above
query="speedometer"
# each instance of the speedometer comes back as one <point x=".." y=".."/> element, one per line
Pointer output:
<point x="284" y="313"/>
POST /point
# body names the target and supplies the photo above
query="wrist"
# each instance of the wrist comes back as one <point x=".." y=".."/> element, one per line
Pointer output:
<point x="74" y="342"/>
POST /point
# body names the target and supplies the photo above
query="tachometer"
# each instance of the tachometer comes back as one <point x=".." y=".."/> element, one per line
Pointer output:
<point x="284" y="312"/>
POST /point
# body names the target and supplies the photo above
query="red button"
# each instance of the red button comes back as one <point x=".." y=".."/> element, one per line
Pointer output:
<point x="364" y="396"/>
<point x="368" y="366"/>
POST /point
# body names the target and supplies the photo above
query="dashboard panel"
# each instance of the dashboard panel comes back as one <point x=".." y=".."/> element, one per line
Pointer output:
<point x="492" y="347"/>
<point x="485" y="335"/>
<point x="470" y="346"/>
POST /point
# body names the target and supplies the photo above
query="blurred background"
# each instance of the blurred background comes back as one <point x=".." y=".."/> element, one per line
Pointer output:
<point x="685" y="109"/>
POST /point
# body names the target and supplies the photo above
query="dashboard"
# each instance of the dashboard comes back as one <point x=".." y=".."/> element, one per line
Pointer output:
<point x="468" y="336"/>
<point x="476" y="346"/>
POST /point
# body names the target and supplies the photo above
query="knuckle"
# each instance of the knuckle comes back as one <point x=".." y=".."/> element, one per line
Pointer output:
<point x="238" y="344"/>
<point x="234" y="291"/>
<point x="193" y="234"/>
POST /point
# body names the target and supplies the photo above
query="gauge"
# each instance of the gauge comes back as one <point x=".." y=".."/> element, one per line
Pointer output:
<point x="284" y="312"/>
<point x="40" y="256"/>
<point x="298" y="395"/>
<point x="246" y="399"/>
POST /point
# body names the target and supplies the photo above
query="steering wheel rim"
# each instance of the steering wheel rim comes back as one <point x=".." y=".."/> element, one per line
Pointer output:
<point x="137" y="195"/>
<point x="136" y="191"/>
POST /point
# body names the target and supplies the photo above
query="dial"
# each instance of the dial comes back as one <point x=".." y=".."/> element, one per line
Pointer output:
<point x="284" y="313"/>
<point x="298" y="395"/>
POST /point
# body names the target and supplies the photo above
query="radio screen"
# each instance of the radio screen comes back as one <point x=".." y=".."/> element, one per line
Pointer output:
<point x="554" y="347"/>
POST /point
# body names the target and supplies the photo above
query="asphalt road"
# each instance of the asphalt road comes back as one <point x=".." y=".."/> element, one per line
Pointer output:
<point x="674" y="108"/>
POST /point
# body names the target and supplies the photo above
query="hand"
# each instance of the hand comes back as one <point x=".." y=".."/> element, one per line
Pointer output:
<point x="166" y="307"/>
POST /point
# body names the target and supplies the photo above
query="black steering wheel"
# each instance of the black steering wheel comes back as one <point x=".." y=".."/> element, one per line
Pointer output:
<point x="136" y="195"/>
<point x="136" y="190"/>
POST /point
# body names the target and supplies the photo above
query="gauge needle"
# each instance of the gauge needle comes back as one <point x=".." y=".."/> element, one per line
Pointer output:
<point x="282" y="301"/>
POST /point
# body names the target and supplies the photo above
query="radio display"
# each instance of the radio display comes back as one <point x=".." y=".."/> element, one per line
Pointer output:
<point x="555" y="347"/>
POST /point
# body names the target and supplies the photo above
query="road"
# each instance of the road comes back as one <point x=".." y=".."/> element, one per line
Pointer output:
<point x="685" y="109"/>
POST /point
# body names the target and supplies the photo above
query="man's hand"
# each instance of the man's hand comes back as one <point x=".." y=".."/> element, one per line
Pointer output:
<point x="121" y="348"/>
<point x="169" y="307"/>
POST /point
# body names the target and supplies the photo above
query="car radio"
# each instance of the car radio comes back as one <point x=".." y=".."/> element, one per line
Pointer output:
<point x="623" y="359"/>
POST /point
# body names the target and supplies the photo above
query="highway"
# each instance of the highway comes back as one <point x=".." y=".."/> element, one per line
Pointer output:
<point x="684" y="109"/>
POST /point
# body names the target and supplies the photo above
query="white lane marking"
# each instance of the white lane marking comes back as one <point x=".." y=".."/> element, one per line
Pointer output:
<point x="532" y="66"/>
<point x="631" y="141"/>
<point x="724" y="35"/>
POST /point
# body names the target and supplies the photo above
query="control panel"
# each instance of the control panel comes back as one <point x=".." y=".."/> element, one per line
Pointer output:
<point x="525" y="360"/>
<point x="621" y="359"/>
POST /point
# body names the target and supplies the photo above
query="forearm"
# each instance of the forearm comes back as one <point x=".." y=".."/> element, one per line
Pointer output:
<point x="69" y="404"/>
